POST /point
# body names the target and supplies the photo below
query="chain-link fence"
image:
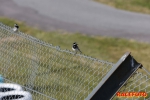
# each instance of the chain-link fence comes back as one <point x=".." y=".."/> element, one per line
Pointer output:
<point x="47" y="69"/>
<point x="50" y="73"/>
<point x="139" y="82"/>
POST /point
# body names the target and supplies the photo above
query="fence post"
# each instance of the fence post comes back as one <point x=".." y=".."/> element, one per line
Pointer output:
<point x="115" y="78"/>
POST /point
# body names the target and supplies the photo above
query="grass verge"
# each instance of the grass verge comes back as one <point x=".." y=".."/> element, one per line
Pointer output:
<point x="105" y="48"/>
<point x="142" y="6"/>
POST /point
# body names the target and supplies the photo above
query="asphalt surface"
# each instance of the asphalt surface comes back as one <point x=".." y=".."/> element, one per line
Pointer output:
<point x="85" y="16"/>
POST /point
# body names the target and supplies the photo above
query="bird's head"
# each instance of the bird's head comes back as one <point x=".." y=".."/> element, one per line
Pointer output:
<point x="15" y="25"/>
<point x="75" y="43"/>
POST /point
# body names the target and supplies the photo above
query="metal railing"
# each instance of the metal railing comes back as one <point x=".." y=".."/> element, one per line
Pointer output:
<point x="51" y="73"/>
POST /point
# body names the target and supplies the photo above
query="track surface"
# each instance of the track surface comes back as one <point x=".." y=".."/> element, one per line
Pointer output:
<point x="84" y="16"/>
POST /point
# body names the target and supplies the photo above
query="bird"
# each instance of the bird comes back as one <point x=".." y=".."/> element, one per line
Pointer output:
<point x="75" y="48"/>
<point x="16" y="27"/>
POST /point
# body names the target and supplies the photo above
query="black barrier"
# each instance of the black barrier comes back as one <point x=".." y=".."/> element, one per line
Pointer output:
<point x="115" y="78"/>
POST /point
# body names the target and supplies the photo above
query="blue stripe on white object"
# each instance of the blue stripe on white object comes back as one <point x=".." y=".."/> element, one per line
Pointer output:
<point x="1" y="79"/>
<point x="16" y="95"/>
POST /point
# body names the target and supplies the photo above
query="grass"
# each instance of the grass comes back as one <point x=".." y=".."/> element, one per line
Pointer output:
<point x="105" y="48"/>
<point x="142" y="6"/>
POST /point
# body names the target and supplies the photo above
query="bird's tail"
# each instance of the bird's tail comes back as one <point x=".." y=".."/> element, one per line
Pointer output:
<point x="79" y="50"/>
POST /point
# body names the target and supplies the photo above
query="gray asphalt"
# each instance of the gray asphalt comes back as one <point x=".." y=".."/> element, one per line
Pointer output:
<point x="84" y="16"/>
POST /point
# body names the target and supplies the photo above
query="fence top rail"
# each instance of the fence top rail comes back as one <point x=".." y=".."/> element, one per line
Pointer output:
<point x="145" y="70"/>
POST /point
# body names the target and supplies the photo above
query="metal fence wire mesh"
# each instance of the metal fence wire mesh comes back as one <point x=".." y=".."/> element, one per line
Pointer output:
<point x="50" y="73"/>
<point x="47" y="69"/>
<point x="139" y="82"/>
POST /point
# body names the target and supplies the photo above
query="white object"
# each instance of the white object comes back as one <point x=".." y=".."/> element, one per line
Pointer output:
<point x="6" y="87"/>
<point x="15" y="29"/>
<point x="16" y="95"/>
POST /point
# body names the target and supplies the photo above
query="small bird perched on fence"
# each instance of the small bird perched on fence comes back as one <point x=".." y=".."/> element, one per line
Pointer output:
<point x="16" y="27"/>
<point x="76" y="48"/>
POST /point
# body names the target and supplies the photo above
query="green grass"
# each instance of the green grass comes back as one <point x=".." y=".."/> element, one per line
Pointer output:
<point x="105" y="48"/>
<point x="142" y="6"/>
